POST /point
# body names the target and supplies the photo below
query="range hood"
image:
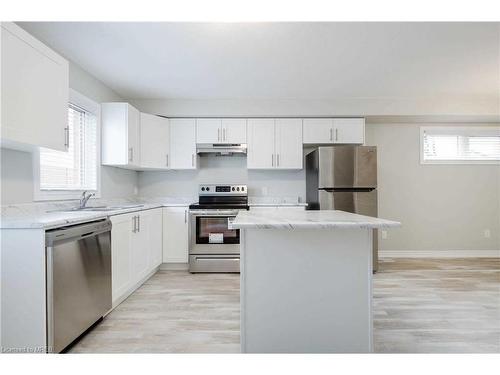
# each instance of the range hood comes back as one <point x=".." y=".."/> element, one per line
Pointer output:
<point x="222" y="149"/>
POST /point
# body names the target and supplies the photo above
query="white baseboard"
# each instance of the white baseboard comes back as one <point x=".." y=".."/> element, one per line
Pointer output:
<point x="439" y="254"/>
<point x="174" y="266"/>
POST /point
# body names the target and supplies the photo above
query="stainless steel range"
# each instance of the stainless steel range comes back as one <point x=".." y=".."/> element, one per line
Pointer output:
<point x="213" y="247"/>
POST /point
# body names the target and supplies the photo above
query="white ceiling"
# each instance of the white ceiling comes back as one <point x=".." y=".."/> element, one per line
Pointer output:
<point x="283" y="60"/>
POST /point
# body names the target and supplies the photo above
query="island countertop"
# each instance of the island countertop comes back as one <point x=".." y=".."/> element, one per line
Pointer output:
<point x="323" y="219"/>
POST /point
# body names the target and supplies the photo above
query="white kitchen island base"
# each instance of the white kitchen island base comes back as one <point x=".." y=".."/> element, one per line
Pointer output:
<point x="312" y="295"/>
<point x="306" y="281"/>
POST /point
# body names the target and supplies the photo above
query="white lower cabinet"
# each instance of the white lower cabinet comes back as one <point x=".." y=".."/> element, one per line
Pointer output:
<point x="136" y="243"/>
<point x="154" y="221"/>
<point x="175" y="234"/>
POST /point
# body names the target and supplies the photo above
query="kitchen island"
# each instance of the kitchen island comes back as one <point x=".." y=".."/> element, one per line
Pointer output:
<point x="306" y="281"/>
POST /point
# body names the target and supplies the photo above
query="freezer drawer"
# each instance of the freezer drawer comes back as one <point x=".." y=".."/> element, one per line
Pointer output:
<point x="358" y="202"/>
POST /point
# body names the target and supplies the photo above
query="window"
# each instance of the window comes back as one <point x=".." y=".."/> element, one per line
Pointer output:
<point x="64" y="175"/>
<point x="460" y="145"/>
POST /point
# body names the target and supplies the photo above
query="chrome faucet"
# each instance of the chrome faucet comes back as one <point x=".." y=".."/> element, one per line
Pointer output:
<point x="85" y="198"/>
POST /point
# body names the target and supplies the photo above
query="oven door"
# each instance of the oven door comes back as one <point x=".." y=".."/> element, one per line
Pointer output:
<point x="210" y="233"/>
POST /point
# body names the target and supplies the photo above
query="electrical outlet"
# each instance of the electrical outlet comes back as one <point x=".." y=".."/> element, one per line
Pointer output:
<point x="384" y="234"/>
<point x="486" y="233"/>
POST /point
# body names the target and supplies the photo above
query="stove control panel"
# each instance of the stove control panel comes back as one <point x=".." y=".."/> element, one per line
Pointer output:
<point x="222" y="190"/>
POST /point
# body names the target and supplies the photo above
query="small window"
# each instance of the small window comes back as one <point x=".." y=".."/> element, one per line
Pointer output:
<point x="460" y="145"/>
<point x="64" y="175"/>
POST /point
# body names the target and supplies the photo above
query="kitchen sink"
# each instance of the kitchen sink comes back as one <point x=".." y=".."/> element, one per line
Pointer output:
<point x="98" y="208"/>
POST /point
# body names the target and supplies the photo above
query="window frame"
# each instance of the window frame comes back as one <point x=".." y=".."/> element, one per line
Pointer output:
<point x="477" y="129"/>
<point x="88" y="105"/>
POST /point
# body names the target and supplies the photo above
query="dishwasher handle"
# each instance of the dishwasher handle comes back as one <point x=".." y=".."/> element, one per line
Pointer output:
<point x="76" y="232"/>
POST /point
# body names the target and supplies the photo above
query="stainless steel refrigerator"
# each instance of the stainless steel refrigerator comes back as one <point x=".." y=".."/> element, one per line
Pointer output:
<point x="344" y="178"/>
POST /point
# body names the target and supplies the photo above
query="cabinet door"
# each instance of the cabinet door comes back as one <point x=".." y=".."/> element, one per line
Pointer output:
<point x="175" y="235"/>
<point x="133" y="119"/>
<point x="208" y="130"/>
<point x="289" y="154"/>
<point x="140" y="248"/>
<point x="155" y="141"/>
<point x="234" y="130"/>
<point x="318" y="130"/>
<point x="349" y="130"/>
<point x="154" y="220"/>
<point x="261" y="150"/>
<point x="121" y="254"/>
<point x="120" y="135"/>
<point x="34" y="89"/>
<point x="183" y="144"/>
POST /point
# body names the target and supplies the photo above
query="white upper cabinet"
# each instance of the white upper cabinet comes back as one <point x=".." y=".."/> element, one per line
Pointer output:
<point x="274" y="144"/>
<point x="120" y="135"/>
<point x="208" y="130"/>
<point x="349" y="130"/>
<point x="234" y="130"/>
<point x="260" y="153"/>
<point x="289" y="150"/>
<point x="155" y="142"/>
<point x="211" y="130"/>
<point x="334" y="130"/>
<point x="318" y="130"/>
<point x="183" y="144"/>
<point x="34" y="89"/>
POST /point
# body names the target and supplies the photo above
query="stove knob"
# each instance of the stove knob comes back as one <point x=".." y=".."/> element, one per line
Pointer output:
<point x="242" y="188"/>
<point x="238" y="188"/>
<point x="202" y="189"/>
<point x="208" y="189"/>
<point x="232" y="188"/>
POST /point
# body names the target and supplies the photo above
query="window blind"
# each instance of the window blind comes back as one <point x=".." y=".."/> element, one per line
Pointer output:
<point x="75" y="169"/>
<point x="461" y="144"/>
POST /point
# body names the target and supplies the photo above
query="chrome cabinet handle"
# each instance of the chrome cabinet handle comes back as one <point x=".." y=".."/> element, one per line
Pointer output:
<point x="134" y="225"/>
<point x="66" y="137"/>
<point x="192" y="160"/>
<point x="331" y="134"/>
<point x="277" y="160"/>
<point x="138" y="223"/>
<point x="224" y="134"/>
<point x="272" y="160"/>
<point x="130" y="154"/>
<point x="167" y="159"/>
<point x="218" y="134"/>
<point x="185" y="216"/>
<point x="336" y="134"/>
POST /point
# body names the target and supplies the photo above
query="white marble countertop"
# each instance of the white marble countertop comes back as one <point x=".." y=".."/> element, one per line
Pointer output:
<point x="50" y="215"/>
<point x="325" y="219"/>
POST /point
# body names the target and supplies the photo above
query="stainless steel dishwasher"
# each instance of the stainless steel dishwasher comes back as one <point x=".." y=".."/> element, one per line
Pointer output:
<point x="78" y="280"/>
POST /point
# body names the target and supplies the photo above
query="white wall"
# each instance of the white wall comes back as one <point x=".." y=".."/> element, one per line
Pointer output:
<point x="17" y="168"/>
<point x="442" y="207"/>
<point x="222" y="169"/>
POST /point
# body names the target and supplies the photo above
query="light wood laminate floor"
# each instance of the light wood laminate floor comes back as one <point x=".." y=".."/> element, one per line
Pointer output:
<point x="420" y="306"/>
